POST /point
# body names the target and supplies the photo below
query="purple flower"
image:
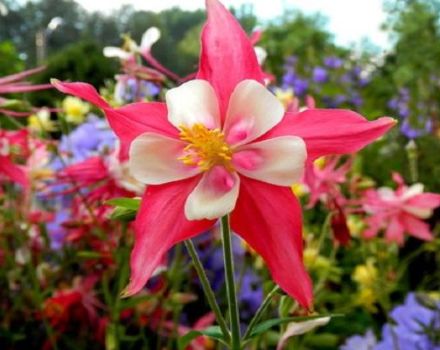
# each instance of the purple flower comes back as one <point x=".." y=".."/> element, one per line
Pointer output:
<point x="333" y="62"/>
<point x="413" y="132"/>
<point x="251" y="294"/>
<point x="55" y="229"/>
<point x="320" y="74"/>
<point x="417" y="327"/>
<point x="360" y="342"/>
<point x="289" y="78"/>
<point x="300" y="87"/>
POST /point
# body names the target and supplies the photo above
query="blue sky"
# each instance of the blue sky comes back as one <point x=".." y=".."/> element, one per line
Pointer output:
<point x="348" y="20"/>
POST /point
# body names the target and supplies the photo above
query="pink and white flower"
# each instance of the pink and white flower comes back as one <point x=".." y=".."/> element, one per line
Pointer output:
<point x="399" y="211"/>
<point x="222" y="144"/>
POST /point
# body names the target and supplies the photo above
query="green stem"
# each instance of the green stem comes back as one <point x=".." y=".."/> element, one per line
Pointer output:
<point x="209" y="293"/>
<point x="260" y="312"/>
<point x="230" y="284"/>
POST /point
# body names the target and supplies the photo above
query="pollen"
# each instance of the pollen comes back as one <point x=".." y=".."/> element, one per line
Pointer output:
<point x="206" y="147"/>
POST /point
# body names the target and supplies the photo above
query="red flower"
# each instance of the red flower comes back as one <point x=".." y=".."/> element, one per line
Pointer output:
<point x="223" y="144"/>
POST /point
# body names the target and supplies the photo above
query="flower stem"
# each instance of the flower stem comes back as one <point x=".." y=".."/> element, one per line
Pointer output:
<point x="260" y="312"/>
<point x="230" y="284"/>
<point x="207" y="289"/>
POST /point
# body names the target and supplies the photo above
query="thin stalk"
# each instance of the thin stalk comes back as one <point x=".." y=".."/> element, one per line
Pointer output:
<point x="230" y="284"/>
<point x="260" y="312"/>
<point x="209" y="293"/>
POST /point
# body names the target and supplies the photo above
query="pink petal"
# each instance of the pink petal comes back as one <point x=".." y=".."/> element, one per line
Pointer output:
<point x="160" y="224"/>
<point x="417" y="228"/>
<point x="268" y="218"/>
<point x="129" y="121"/>
<point x="279" y="161"/>
<point x="14" y="172"/>
<point x="424" y="200"/>
<point x="214" y="196"/>
<point x="227" y="55"/>
<point x="88" y="171"/>
<point x="154" y="160"/>
<point x="253" y="110"/>
<point x="191" y="103"/>
<point x="82" y="90"/>
<point x="331" y="131"/>
<point x="20" y="76"/>
<point x="394" y="231"/>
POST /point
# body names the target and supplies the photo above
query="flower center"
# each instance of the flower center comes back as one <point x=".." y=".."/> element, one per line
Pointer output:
<point x="206" y="147"/>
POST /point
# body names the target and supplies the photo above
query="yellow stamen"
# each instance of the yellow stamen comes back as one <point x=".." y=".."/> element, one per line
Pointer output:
<point x="206" y="147"/>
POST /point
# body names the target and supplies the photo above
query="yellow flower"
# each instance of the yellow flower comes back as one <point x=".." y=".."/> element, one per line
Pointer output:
<point x="285" y="96"/>
<point x="367" y="298"/>
<point x="75" y="109"/>
<point x="314" y="261"/>
<point x="41" y="121"/>
<point x="365" y="275"/>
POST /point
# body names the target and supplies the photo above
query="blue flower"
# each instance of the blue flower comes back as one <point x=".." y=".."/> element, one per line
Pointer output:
<point x="416" y="327"/>
<point x="320" y="74"/>
<point x="333" y="62"/>
<point x="360" y="342"/>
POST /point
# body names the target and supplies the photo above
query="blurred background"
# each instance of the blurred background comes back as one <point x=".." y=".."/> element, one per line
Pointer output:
<point x="385" y="52"/>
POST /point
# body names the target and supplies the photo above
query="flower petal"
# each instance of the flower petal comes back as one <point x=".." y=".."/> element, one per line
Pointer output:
<point x="14" y="172"/>
<point x="394" y="231"/>
<point x="279" y="161"/>
<point x="417" y="228"/>
<point x="227" y="55"/>
<point x="154" y="160"/>
<point x="128" y="121"/>
<point x="268" y="218"/>
<point x="331" y="131"/>
<point x="424" y="200"/>
<point x="193" y="102"/>
<point x="82" y="90"/>
<point x="112" y="51"/>
<point x="160" y="224"/>
<point x="253" y="110"/>
<point x="149" y="38"/>
<point x="214" y="196"/>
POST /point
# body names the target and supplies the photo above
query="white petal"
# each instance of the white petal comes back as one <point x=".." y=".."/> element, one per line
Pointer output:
<point x="149" y="38"/>
<point x="279" y="161"/>
<point x="261" y="54"/>
<point x="298" y="328"/>
<point x="111" y="51"/>
<point x="214" y="196"/>
<point x="153" y="160"/>
<point x="412" y="191"/>
<point x="253" y="110"/>
<point x="193" y="102"/>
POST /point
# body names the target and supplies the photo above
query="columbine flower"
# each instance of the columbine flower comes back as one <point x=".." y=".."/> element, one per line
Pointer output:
<point x="75" y="109"/>
<point x="149" y="38"/>
<point x="222" y="144"/>
<point x="399" y="211"/>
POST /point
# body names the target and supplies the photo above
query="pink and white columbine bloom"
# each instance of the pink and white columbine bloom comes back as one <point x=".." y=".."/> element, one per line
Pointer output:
<point x="222" y="144"/>
<point x="399" y="211"/>
<point x="218" y="152"/>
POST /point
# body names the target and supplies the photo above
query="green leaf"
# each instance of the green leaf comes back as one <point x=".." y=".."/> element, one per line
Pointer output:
<point x="86" y="254"/>
<point x="123" y="214"/>
<point x="268" y="324"/>
<point x="213" y="332"/>
<point x="127" y="203"/>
